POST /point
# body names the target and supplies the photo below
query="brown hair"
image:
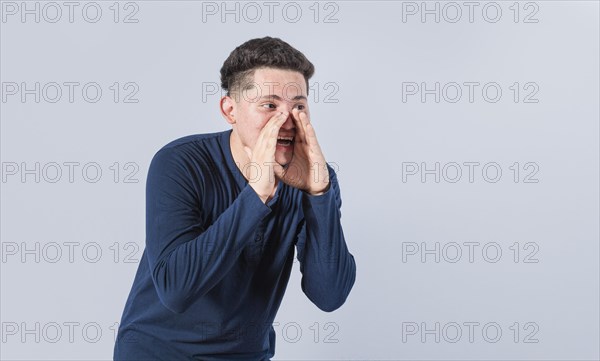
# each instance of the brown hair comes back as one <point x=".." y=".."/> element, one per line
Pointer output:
<point x="264" y="52"/>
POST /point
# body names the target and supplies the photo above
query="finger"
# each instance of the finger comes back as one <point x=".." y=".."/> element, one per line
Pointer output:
<point x="304" y="122"/>
<point x="311" y="136"/>
<point x="276" y="123"/>
<point x="280" y="120"/>
<point x="271" y="129"/>
<point x="307" y="116"/>
<point x="299" y="125"/>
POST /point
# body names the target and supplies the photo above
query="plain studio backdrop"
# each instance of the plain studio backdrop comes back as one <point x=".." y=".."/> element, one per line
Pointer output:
<point x="465" y="135"/>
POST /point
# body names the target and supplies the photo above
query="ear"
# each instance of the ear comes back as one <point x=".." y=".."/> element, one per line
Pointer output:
<point x="227" y="106"/>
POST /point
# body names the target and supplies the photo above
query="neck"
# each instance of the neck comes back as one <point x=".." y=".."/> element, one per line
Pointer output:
<point x="237" y="151"/>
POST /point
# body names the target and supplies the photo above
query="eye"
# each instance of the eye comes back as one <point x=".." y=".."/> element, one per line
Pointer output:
<point x="269" y="105"/>
<point x="300" y="107"/>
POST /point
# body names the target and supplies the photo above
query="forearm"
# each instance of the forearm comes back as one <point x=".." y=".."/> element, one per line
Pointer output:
<point x="190" y="269"/>
<point x="188" y="256"/>
<point x="328" y="268"/>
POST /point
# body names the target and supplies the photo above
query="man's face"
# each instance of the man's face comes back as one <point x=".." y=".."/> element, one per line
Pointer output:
<point x="272" y="91"/>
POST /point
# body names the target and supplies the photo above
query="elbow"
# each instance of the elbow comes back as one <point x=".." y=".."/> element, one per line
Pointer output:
<point x="329" y="302"/>
<point x="330" y="305"/>
<point x="173" y="302"/>
<point x="333" y="296"/>
<point x="168" y="293"/>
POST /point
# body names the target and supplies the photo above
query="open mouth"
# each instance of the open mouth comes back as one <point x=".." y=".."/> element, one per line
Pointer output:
<point x="285" y="141"/>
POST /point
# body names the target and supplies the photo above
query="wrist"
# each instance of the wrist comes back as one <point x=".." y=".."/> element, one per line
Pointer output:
<point x="320" y="192"/>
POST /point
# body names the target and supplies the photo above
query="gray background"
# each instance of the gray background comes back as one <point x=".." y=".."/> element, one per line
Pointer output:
<point x="363" y="56"/>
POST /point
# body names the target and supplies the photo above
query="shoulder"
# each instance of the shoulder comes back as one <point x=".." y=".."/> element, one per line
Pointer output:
<point x="195" y="148"/>
<point x="193" y="140"/>
<point x="189" y="156"/>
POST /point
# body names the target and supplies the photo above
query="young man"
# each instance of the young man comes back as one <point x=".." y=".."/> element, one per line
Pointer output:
<point x="224" y="212"/>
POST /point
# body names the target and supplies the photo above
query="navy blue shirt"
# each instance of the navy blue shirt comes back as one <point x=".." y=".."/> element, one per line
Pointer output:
<point x="217" y="259"/>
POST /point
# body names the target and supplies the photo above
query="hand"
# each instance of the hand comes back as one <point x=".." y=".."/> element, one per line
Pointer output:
<point x="262" y="156"/>
<point x="307" y="170"/>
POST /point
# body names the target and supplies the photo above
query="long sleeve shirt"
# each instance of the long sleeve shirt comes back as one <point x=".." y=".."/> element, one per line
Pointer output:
<point x="217" y="259"/>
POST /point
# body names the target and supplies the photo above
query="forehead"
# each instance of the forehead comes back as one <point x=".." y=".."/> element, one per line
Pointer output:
<point x="285" y="83"/>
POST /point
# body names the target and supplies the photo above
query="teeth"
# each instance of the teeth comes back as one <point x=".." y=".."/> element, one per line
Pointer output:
<point x="285" y="138"/>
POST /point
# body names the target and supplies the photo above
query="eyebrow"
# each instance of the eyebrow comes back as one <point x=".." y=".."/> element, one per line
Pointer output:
<point x="277" y="97"/>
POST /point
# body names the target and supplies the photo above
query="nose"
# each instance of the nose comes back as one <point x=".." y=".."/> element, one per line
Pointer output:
<point x="289" y="122"/>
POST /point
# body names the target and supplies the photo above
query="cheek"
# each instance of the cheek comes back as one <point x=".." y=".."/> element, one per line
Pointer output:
<point x="252" y="125"/>
<point x="258" y="120"/>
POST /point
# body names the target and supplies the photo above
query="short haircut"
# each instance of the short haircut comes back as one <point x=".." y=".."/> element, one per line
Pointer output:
<point x="259" y="53"/>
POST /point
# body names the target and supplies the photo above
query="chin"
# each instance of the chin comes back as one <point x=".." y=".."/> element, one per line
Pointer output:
<point x="283" y="160"/>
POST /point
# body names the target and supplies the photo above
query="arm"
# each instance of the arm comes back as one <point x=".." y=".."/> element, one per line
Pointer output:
<point x="328" y="268"/>
<point x="188" y="257"/>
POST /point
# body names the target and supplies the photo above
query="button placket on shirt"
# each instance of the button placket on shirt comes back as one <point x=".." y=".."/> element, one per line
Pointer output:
<point x="260" y="231"/>
<point x="253" y="251"/>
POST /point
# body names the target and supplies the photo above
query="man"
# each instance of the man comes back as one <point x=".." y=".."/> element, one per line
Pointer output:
<point x="224" y="212"/>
